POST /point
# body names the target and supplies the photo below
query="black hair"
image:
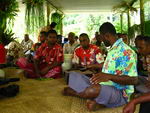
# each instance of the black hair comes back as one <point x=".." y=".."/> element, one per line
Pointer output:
<point x="44" y="33"/>
<point x="37" y="44"/>
<point x="107" y="27"/>
<point x="84" y="35"/>
<point x="72" y="34"/>
<point x="146" y="39"/>
<point x="51" y="31"/>
<point x="53" y="24"/>
<point x="139" y="37"/>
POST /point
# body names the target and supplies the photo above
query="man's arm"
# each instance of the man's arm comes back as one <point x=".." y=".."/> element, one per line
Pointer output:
<point x="36" y="63"/>
<point x="47" y="68"/>
<point x="120" y="79"/>
<point x="131" y="106"/>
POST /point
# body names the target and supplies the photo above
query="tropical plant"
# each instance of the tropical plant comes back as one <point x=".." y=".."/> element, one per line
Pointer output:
<point x="35" y="15"/>
<point x="126" y="7"/>
<point x="6" y="36"/>
<point x="57" y="17"/>
<point x="8" y="10"/>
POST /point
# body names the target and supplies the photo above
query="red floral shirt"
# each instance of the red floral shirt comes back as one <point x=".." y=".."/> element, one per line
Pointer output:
<point x="86" y="57"/>
<point x="49" y="55"/>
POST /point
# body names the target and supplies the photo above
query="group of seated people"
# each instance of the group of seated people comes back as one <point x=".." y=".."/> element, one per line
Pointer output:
<point x="115" y="71"/>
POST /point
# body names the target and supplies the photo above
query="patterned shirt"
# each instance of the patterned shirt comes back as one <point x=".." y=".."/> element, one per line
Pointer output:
<point x="49" y="55"/>
<point x="15" y="49"/>
<point x="86" y="57"/>
<point x="26" y="45"/>
<point x="69" y="49"/>
<point x="121" y="60"/>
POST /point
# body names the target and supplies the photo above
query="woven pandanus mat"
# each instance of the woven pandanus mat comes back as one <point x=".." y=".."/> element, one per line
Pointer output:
<point x="45" y="97"/>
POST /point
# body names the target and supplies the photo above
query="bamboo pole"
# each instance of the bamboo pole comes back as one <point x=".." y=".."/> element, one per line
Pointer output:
<point x="142" y="18"/>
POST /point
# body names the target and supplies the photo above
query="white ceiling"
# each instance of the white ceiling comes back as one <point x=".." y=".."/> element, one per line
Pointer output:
<point x="90" y="6"/>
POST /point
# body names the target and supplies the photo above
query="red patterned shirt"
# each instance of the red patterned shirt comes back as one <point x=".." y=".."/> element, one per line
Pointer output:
<point x="86" y="57"/>
<point x="49" y="55"/>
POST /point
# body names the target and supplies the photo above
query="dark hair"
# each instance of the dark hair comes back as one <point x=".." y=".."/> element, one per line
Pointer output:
<point x="72" y="34"/>
<point x="146" y="39"/>
<point x="84" y="35"/>
<point x="59" y="36"/>
<point x="107" y="27"/>
<point x="44" y="33"/>
<point x="37" y="44"/>
<point x="53" y="24"/>
<point x="51" y="31"/>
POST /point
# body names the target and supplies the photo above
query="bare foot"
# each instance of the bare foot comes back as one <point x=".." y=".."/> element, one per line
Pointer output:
<point x="91" y="105"/>
<point x="69" y="92"/>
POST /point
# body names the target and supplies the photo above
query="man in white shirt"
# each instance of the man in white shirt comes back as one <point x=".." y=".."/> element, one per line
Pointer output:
<point x="26" y="43"/>
<point x="71" y="45"/>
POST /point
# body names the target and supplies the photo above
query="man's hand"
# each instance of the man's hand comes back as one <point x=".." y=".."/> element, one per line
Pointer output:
<point x="130" y="107"/>
<point x="100" y="77"/>
<point x="45" y="70"/>
<point x="95" y="66"/>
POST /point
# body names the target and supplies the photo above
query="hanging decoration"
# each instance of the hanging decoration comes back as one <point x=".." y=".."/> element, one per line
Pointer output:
<point x="35" y="15"/>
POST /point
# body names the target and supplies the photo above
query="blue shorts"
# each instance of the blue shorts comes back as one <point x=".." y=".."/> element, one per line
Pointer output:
<point x="108" y="96"/>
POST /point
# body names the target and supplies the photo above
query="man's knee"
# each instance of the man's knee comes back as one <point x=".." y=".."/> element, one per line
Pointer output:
<point x="91" y="92"/>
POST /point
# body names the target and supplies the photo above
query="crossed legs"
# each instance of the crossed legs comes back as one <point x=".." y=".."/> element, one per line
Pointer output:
<point x="89" y="93"/>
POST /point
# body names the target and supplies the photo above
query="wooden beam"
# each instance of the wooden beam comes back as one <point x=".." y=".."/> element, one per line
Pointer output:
<point x="142" y="18"/>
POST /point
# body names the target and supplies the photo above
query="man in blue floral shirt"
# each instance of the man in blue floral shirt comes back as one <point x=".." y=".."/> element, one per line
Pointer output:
<point x="112" y="87"/>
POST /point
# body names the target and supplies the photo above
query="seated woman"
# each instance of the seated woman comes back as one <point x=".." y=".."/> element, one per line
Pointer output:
<point x="47" y="60"/>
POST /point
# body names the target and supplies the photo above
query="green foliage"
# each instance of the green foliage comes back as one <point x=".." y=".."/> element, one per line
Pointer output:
<point x="6" y="36"/>
<point x="118" y="27"/>
<point x="8" y="10"/>
<point x="135" y="29"/>
<point x="93" y="23"/>
<point x="147" y="28"/>
<point x="70" y="19"/>
<point x="56" y="17"/>
<point x="147" y="11"/>
<point x="34" y="16"/>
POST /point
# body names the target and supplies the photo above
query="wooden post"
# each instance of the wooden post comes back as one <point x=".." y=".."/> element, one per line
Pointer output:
<point x="142" y="19"/>
<point x="129" y="24"/>
<point x="121" y="22"/>
<point x="48" y="13"/>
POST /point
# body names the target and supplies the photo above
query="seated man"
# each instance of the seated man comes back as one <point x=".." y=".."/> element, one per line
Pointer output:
<point x="47" y="60"/>
<point x="26" y="43"/>
<point x="143" y="46"/>
<point x="111" y="87"/>
<point x="69" y="47"/>
<point x="87" y="55"/>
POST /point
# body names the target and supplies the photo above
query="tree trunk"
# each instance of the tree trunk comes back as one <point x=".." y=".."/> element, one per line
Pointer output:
<point x="142" y="19"/>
